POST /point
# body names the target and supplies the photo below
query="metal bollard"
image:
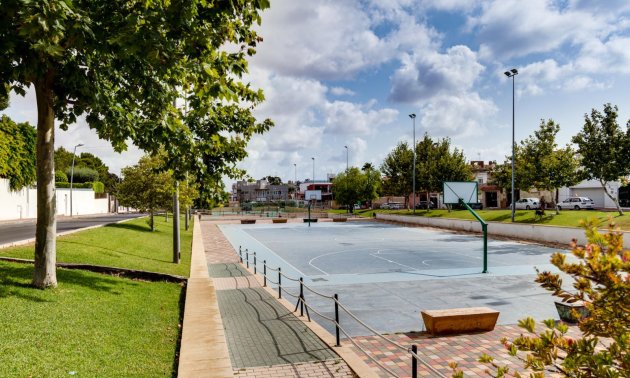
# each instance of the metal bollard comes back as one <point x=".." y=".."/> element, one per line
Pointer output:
<point x="337" y="319"/>
<point x="247" y="258"/>
<point x="414" y="362"/>
<point x="279" y="283"/>
<point x="265" y="273"/>
<point x="240" y="254"/>
<point x="254" y="262"/>
<point x="301" y="297"/>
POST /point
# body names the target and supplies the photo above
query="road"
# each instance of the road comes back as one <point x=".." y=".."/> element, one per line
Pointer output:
<point x="22" y="230"/>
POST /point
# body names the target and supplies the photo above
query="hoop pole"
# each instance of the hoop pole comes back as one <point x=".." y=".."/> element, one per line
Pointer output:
<point x="484" y="228"/>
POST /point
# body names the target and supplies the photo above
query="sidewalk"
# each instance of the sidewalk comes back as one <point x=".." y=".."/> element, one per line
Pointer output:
<point x="263" y="338"/>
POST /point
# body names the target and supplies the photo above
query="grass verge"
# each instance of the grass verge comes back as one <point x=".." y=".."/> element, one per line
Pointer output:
<point x="124" y="245"/>
<point x="569" y="218"/>
<point x="92" y="325"/>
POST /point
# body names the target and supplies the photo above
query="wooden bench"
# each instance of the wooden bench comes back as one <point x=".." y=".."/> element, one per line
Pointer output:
<point x="460" y="320"/>
<point x="248" y="221"/>
<point x="279" y="220"/>
<point x="340" y="219"/>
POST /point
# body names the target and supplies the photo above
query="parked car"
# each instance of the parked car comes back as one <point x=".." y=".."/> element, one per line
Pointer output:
<point x="577" y="203"/>
<point x="392" y="205"/>
<point x="423" y="205"/>
<point x="528" y="204"/>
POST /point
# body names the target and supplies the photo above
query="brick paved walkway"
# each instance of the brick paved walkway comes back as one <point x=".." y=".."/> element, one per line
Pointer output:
<point x="264" y="338"/>
<point x="439" y="351"/>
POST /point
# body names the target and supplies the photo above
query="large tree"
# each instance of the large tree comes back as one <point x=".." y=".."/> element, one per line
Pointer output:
<point x="543" y="165"/>
<point x="122" y="64"/>
<point x="437" y="162"/>
<point x="146" y="187"/>
<point x="397" y="171"/>
<point x="354" y="185"/>
<point x="604" y="148"/>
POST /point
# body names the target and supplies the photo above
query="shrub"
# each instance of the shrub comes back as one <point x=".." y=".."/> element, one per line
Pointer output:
<point x="601" y="277"/>
<point x="82" y="174"/>
<point x="60" y="177"/>
<point x="98" y="187"/>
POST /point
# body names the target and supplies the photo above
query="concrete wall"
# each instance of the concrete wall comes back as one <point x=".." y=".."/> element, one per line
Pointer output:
<point x="553" y="234"/>
<point x="22" y="204"/>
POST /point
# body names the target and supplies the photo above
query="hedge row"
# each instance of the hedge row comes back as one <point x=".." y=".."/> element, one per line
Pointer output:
<point x="97" y="186"/>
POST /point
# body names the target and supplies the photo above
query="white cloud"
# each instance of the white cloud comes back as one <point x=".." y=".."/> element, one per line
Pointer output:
<point x="340" y="91"/>
<point x="325" y="39"/>
<point x="457" y="117"/>
<point x="341" y="117"/>
<point x="423" y="76"/>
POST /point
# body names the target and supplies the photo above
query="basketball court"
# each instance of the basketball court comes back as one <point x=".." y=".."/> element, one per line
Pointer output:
<point x="386" y="274"/>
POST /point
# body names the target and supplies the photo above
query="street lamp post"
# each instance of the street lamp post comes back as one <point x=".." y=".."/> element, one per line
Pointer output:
<point x="511" y="73"/>
<point x="295" y="181"/>
<point x="347" y="205"/>
<point x="413" y="147"/>
<point x="72" y="174"/>
<point x="313" y="172"/>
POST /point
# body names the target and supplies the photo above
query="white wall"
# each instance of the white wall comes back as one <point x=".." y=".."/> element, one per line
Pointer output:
<point x="17" y="205"/>
<point x="553" y="234"/>
<point x="22" y="204"/>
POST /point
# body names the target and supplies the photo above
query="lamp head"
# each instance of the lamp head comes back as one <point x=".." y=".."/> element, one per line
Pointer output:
<point x="514" y="71"/>
<point x="412" y="115"/>
<point x="79" y="145"/>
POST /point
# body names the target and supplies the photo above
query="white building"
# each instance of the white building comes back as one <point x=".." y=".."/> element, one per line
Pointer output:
<point x="593" y="190"/>
<point x="22" y="204"/>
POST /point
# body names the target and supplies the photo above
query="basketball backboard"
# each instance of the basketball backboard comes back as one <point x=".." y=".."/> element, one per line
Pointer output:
<point x="456" y="190"/>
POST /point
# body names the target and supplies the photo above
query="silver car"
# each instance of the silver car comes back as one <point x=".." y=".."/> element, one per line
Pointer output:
<point x="528" y="204"/>
<point x="577" y="203"/>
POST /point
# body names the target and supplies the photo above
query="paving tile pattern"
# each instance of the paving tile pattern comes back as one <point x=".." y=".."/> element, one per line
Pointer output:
<point x="264" y="338"/>
<point x="217" y="247"/>
<point x="227" y="270"/>
<point x="261" y="332"/>
<point x="439" y="351"/>
<point x="324" y="369"/>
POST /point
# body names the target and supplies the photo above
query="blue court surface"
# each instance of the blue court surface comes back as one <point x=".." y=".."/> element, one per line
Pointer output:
<point x="385" y="274"/>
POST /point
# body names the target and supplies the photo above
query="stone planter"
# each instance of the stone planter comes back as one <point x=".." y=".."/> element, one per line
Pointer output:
<point x="340" y="219"/>
<point x="248" y="221"/>
<point x="279" y="220"/>
<point x="566" y="313"/>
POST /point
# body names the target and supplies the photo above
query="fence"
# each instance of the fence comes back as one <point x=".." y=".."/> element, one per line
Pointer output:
<point x="305" y="307"/>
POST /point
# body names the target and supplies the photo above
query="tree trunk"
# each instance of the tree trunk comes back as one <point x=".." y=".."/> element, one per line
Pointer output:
<point x="556" y="201"/>
<point x="152" y="221"/>
<point x="44" y="274"/>
<point x="615" y="201"/>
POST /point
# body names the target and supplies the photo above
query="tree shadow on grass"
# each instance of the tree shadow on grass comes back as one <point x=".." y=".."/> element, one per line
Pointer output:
<point x="112" y="250"/>
<point x="15" y="281"/>
<point x="132" y="227"/>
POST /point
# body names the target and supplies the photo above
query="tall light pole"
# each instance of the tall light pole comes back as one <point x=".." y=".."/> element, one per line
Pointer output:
<point x="295" y="181"/>
<point x="347" y="205"/>
<point x="413" y="147"/>
<point x="313" y="172"/>
<point x="511" y="73"/>
<point x="74" y="154"/>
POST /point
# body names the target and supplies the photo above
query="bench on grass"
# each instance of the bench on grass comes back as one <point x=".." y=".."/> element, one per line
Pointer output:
<point x="279" y="220"/>
<point x="459" y="320"/>
<point x="248" y="221"/>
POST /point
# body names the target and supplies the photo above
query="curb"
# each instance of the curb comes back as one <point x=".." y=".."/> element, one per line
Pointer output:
<point x="32" y="240"/>
<point x="121" y="272"/>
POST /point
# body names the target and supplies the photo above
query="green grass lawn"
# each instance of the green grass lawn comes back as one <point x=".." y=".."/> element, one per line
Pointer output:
<point x="92" y="325"/>
<point x="569" y="218"/>
<point x="124" y="245"/>
<point x="95" y="325"/>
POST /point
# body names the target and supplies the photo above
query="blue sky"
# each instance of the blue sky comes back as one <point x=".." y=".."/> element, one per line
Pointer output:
<point x="348" y="72"/>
